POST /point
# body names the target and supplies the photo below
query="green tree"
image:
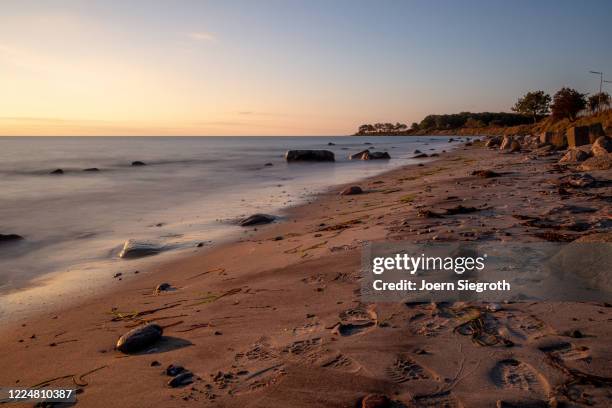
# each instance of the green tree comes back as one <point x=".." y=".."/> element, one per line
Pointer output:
<point x="567" y="102"/>
<point x="533" y="104"/>
<point x="598" y="102"/>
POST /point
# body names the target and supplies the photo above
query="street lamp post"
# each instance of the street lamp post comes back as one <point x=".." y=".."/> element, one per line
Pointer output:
<point x="601" y="81"/>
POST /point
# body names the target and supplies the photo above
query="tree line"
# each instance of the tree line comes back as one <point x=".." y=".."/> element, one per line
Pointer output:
<point x="566" y="103"/>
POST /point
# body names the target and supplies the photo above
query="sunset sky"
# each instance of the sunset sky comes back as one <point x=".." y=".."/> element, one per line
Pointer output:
<point x="284" y="67"/>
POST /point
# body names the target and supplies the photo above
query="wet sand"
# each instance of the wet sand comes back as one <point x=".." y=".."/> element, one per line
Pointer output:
<point x="275" y="319"/>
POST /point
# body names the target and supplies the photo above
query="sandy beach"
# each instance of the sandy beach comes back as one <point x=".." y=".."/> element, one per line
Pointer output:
<point x="276" y="320"/>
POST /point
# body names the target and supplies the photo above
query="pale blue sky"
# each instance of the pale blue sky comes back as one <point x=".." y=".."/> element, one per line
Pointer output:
<point x="284" y="67"/>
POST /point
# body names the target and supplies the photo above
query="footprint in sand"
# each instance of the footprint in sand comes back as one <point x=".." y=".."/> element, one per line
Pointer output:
<point x="302" y="347"/>
<point x="359" y="313"/>
<point x="341" y="362"/>
<point x="260" y="351"/>
<point x="514" y="374"/>
<point x="567" y="351"/>
<point x="527" y="327"/>
<point x="260" y="379"/>
<point x="356" y="320"/>
<point x="439" y="400"/>
<point x="405" y="369"/>
<point x="307" y="328"/>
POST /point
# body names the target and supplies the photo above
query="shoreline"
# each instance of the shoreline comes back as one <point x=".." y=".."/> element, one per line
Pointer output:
<point x="278" y="315"/>
<point x="88" y="278"/>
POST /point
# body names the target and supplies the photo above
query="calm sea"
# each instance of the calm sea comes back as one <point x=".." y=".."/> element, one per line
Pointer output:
<point x="75" y="223"/>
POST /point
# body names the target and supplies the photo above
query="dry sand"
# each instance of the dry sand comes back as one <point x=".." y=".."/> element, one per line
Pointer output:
<point x="256" y="321"/>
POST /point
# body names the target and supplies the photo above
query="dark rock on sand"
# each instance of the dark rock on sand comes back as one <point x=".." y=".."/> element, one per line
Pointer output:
<point x="485" y="173"/>
<point x="138" y="163"/>
<point x="174" y="370"/>
<point x="351" y="190"/>
<point x="184" y="378"/>
<point x="155" y="363"/>
<point x="137" y="249"/>
<point x="602" y="146"/>
<point x="257" y="219"/>
<point x="574" y="156"/>
<point x="597" y="163"/>
<point x="139" y="338"/>
<point x="162" y="287"/>
<point x="420" y="156"/>
<point x="4" y="238"/>
<point x="92" y="169"/>
<point x="57" y="171"/>
<point x="309" y="155"/>
<point x="375" y="401"/>
<point x="460" y="210"/>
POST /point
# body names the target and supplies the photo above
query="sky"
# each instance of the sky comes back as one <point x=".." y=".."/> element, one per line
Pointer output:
<point x="284" y="67"/>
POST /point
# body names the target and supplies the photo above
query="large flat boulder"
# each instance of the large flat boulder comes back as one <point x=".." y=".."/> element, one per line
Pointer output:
<point x="309" y="155"/>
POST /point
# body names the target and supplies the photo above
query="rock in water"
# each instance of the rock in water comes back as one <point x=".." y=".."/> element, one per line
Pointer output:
<point x="351" y="190"/>
<point x="368" y="155"/>
<point x="574" y="156"/>
<point x="184" y="378"/>
<point x="138" y="163"/>
<point x="602" y="146"/>
<point x="358" y="156"/>
<point x="375" y="401"/>
<point x="136" y="249"/>
<point x="9" y="238"/>
<point x="139" y="338"/>
<point x="309" y="155"/>
<point x="420" y="156"/>
<point x="57" y="171"/>
<point x="257" y="219"/>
